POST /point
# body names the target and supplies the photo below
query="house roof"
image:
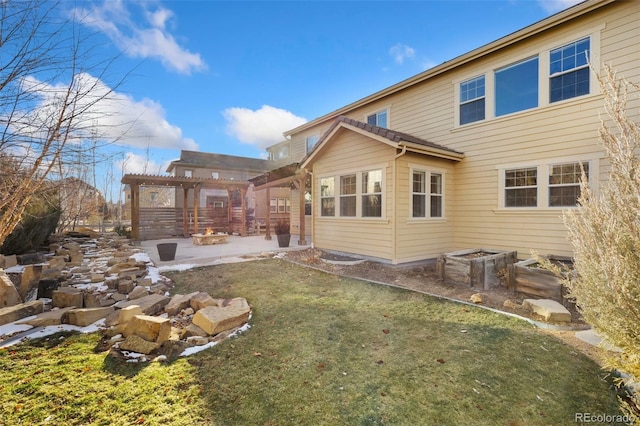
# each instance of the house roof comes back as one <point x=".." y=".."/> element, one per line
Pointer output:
<point x="218" y="161"/>
<point x="393" y="138"/>
<point x="501" y="43"/>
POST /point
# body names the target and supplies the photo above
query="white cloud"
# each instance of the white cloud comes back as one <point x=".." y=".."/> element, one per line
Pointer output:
<point x="139" y="164"/>
<point x="105" y="115"/>
<point x="152" y="40"/>
<point x="262" y="127"/>
<point x="400" y="52"/>
<point x="553" y="6"/>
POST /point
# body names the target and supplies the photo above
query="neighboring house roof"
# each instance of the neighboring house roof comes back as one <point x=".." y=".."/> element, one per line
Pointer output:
<point x="501" y="43"/>
<point x="218" y="161"/>
<point x="393" y="138"/>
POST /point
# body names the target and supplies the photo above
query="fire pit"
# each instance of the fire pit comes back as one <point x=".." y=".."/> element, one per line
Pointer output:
<point x="209" y="238"/>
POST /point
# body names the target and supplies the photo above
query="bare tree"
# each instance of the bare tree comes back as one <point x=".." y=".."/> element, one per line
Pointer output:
<point x="42" y="119"/>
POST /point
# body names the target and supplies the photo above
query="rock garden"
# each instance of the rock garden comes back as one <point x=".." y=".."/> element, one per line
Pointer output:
<point x="87" y="282"/>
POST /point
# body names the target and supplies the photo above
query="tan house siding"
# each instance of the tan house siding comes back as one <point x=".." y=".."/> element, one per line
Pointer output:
<point x="420" y="238"/>
<point x="561" y="132"/>
<point x="352" y="152"/>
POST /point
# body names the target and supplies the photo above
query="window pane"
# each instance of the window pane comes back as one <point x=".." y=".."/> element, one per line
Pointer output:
<point x="564" y="196"/>
<point x="564" y="184"/>
<point x="372" y="119"/>
<point x="372" y="182"/>
<point x="328" y="206"/>
<point x="472" y="100"/>
<point x="347" y="185"/>
<point x="472" y="89"/>
<point x="527" y="197"/>
<point x="419" y="205"/>
<point x="517" y="87"/>
<point x="311" y="141"/>
<point x="569" y="85"/>
<point x="436" y="206"/>
<point x="326" y="187"/>
<point x="382" y="119"/>
<point x="348" y="206"/>
<point x="472" y="111"/>
<point x="419" y="184"/>
<point x="436" y="183"/>
<point x="372" y="206"/>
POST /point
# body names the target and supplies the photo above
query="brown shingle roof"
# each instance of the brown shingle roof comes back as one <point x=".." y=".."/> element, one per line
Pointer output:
<point x="392" y="135"/>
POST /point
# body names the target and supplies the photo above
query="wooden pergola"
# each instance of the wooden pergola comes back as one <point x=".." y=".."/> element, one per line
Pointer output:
<point x="135" y="181"/>
<point x="285" y="176"/>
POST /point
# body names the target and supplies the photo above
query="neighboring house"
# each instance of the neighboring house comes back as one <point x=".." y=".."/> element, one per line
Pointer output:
<point x="150" y="196"/>
<point x="482" y="151"/>
<point x="228" y="167"/>
<point x="80" y="203"/>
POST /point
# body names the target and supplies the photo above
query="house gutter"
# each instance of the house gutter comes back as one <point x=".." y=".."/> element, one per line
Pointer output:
<point x="394" y="233"/>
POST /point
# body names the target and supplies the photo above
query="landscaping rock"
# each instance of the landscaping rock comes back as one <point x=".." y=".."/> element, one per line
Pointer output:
<point x="137" y="292"/>
<point x="53" y="317"/>
<point x="476" y="298"/>
<point x="23" y="310"/>
<point x="125" y="287"/>
<point x="202" y="300"/>
<point x="8" y="294"/>
<point x="11" y="260"/>
<point x="67" y="296"/>
<point x="151" y="329"/>
<point x="214" y="320"/>
<point x="178" y="303"/>
<point x="150" y="305"/>
<point x="192" y="330"/>
<point x="550" y="310"/>
<point x="137" y="344"/>
<point x="86" y="316"/>
<point x="29" y="280"/>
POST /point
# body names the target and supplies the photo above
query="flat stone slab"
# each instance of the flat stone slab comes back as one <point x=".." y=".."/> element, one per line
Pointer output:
<point x="53" y="317"/>
<point x="214" y="320"/>
<point x="86" y="316"/>
<point x="149" y="305"/>
<point x="593" y="338"/>
<point x="23" y="310"/>
<point x="550" y="310"/>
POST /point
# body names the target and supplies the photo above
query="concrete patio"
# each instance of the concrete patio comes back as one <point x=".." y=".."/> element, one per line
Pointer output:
<point x="232" y="251"/>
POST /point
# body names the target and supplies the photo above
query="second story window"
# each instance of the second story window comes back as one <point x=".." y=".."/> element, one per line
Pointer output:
<point x="188" y="173"/>
<point x="517" y="87"/>
<point x="569" y="71"/>
<point x="215" y="175"/>
<point x="378" y="119"/>
<point x="311" y="141"/>
<point x="472" y="100"/>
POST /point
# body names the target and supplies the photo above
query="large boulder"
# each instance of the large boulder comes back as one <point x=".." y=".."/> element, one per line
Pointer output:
<point x="178" y="303"/>
<point x="550" y="310"/>
<point x="8" y="294"/>
<point x="150" y="305"/>
<point x="65" y="297"/>
<point x="202" y="300"/>
<point x="53" y="317"/>
<point x="86" y="316"/>
<point x="23" y="310"/>
<point x="214" y="319"/>
<point x="151" y="329"/>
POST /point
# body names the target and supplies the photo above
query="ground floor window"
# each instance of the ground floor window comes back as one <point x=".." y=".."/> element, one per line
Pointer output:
<point x="359" y="194"/>
<point x="280" y="205"/>
<point x="546" y="185"/>
<point x="427" y="194"/>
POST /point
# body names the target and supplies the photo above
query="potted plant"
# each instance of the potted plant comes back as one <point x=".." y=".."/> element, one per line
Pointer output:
<point x="283" y="233"/>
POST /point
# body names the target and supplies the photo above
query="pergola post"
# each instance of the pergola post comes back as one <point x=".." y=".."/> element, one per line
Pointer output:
<point x="196" y="201"/>
<point x="135" y="212"/>
<point x="229" y="212"/>
<point x="267" y="220"/>
<point x="243" y="219"/>
<point x="302" y="184"/>
<point x="185" y="213"/>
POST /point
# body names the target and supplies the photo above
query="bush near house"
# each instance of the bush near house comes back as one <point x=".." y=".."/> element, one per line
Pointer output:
<point x="605" y="235"/>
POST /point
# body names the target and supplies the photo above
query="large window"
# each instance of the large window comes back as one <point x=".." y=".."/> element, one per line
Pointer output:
<point x="517" y="87"/>
<point x="327" y="197"/>
<point x="521" y="187"/>
<point x="472" y="100"/>
<point x="348" y="196"/>
<point x="372" y="194"/>
<point x="378" y="119"/>
<point x="569" y="71"/>
<point x="426" y="194"/>
<point x="564" y="183"/>
<point x="358" y="195"/>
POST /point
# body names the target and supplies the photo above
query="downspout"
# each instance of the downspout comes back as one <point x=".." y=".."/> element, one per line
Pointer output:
<point x="394" y="233"/>
<point x="313" y="209"/>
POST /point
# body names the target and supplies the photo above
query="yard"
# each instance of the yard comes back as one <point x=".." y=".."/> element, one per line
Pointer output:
<point x="321" y="350"/>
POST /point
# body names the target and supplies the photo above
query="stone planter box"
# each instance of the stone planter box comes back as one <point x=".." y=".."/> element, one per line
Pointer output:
<point x="527" y="276"/>
<point x="476" y="268"/>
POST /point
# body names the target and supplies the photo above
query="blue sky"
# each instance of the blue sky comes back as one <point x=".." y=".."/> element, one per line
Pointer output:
<point x="231" y="76"/>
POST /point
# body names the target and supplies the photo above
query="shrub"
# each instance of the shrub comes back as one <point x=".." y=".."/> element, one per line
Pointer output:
<point x="605" y="236"/>
<point x="282" y="227"/>
<point x="36" y="226"/>
<point x="122" y="230"/>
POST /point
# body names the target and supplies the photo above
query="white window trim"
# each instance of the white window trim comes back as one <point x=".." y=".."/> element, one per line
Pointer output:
<point x="427" y="170"/>
<point x="543" y="52"/>
<point x="336" y="196"/>
<point x="543" y="170"/>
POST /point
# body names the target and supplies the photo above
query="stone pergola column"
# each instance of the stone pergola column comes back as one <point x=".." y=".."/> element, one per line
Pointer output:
<point x="135" y="212"/>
